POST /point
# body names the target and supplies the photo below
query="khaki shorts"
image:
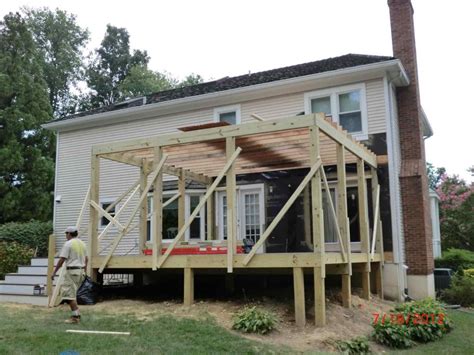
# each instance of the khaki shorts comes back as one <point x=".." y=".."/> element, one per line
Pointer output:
<point x="72" y="281"/>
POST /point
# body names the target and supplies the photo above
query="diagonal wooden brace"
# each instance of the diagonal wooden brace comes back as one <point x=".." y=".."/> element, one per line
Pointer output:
<point x="283" y="211"/>
<point x="203" y="201"/>
<point x="107" y="215"/>
<point x="134" y="212"/>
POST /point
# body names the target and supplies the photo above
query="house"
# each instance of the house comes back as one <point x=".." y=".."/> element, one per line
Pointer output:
<point x="374" y="98"/>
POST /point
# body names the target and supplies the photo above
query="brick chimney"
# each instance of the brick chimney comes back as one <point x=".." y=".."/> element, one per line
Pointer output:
<point x="413" y="179"/>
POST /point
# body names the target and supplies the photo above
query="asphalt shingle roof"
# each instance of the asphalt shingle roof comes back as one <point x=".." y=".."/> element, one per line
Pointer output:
<point x="228" y="83"/>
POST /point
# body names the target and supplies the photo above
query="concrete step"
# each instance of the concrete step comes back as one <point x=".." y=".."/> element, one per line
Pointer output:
<point x="17" y="289"/>
<point x="26" y="279"/>
<point x="33" y="270"/>
<point x="42" y="261"/>
<point x="27" y="299"/>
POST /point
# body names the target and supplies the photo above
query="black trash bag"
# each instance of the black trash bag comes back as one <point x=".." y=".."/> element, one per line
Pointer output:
<point x="87" y="293"/>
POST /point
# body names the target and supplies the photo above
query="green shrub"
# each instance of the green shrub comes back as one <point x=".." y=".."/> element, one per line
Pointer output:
<point x="11" y="255"/>
<point x="418" y="321"/>
<point x="254" y="320"/>
<point x="359" y="345"/>
<point x="33" y="234"/>
<point x="456" y="259"/>
<point x="461" y="290"/>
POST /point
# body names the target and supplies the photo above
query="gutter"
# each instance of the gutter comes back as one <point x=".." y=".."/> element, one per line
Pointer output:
<point x="280" y="87"/>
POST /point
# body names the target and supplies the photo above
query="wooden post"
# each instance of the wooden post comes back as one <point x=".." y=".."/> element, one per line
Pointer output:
<point x="51" y="254"/>
<point x="182" y="199"/>
<point x="307" y="218"/>
<point x="210" y="217"/>
<point x="378" y="280"/>
<point x="157" y="219"/>
<point x="143" y="214"/>
<point x="92" y="244"/>
<point x="342" y="220"/>
<point x="319" y="297"/>
<point x="298" y="288"/>
<point x="231" y="206"/>
<point x="188" y="286"/>
<point x="363" y="226"/>
<point x="316" y="197"/>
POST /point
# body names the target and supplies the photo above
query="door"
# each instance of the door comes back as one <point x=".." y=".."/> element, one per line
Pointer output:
<point x="250" y="213"/>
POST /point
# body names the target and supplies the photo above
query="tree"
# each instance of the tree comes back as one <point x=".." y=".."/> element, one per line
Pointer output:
<point x="191" y="79"/>
<point x="26" y="169"/>
<point x="111" y="65"/>
<point x="456" y="210"/>
<point x="142" y="81"/>
<point x="434" y="175"/>
<point x="60" y="42"/>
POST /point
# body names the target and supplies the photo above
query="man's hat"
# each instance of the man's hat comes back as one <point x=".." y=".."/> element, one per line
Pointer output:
<point x="70" y="230"/>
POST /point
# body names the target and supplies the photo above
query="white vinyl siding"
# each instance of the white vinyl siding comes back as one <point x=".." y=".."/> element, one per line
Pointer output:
<point x="74" y="152"/>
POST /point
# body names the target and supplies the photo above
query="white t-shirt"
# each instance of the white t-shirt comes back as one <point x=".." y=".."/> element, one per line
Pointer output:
<point x="74" y="251"/>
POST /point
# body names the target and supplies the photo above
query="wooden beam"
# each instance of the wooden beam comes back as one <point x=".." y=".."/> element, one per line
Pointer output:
<point x="319" y="297"/>
<point x="57" y="288"/>
<point x="118" y="213"/>
<point x="376" y="219"/>
<point x="298" y="289"/>
<point x="334" y="215"/>
<point x="307" y="218"/>
<point x="124" y="159"/>
<point x="188" y="286"/>
<point x="363" y="225"/>
<point x="104" y="213"/>
<point x="85" y="203"/>
<point x="201" y="203"/>
<point x="172" y="199"/>
<point x="190" y="175"/>
<point x="133" y="214"/>
<point x="182" y="199"/>
<point x="282" y="212"/>
<point x="157" y="219"/>
<point x="93" y="213"/>
<point x="231" y="205"/>
<point x="346" y="290"/>
<point x="210" y="215"/>
<point x="316" y="194"/>
<point x="51" y="254"/>
<point x="343" y="138"/>
<point x="378" y="270"/>
<point x="143" y="212"/>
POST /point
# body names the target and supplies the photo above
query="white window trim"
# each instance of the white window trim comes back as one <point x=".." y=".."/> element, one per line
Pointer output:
<point x="227" y="109"/>
<point x="333" y="94"/>
<point x="109" y="201"/>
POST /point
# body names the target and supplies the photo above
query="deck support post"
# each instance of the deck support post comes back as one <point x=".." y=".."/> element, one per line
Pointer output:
<point x="298" y="288"/>
<point x="307" y="218"/>
<point x="343" y="223"/>
<point x="363" y="226"/>
<point x="231" y="205"/>
<point x="319" y="297"/>
<point x="182" y="198"/>
<point x="143" y="213"/>
<point x="92" y="244"/>
<point x="157" y="218"/>
<point x="378" y="280"/>
<point x="188" y="286"/>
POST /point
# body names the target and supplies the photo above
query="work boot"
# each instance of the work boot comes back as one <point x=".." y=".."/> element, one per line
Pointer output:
<point x="73" y="320"/>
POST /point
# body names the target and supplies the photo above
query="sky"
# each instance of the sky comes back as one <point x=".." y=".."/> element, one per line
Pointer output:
<point x="226" y="38"/>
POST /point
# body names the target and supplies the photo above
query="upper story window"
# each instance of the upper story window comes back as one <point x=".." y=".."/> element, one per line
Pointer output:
<point x="229" y="114"/>
<point x="346" y="105"/>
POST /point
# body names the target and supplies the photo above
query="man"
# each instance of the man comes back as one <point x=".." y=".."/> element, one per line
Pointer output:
<point x="74" y="254"/>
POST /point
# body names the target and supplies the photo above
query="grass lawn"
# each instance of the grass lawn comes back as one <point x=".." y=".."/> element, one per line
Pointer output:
<point x="459" y="341"/>
<point x="37" y="330"/>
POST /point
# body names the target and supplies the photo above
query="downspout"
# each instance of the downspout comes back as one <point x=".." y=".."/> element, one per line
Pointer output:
<point x="55" y="181"/>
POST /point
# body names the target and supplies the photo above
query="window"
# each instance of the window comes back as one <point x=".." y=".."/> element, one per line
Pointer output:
<point x="346" y="105"/>
<point x="104" y="221"/>
<point x="170" y="217"/>
<point x="229" y="114"/>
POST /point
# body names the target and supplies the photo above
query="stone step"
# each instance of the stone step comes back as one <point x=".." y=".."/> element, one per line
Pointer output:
<point x="42" y="261"/>
<point x="26" y="299"/>
<point x="18" y="289"/>
<point x="33" y="270"/>
<point x="26" y="279"/>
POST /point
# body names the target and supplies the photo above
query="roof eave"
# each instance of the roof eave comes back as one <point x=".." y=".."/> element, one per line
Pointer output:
<point x="393" y="68"/>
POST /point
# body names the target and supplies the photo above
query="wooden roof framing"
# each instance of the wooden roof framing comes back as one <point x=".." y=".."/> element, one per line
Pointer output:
<point x="270" y="145"/>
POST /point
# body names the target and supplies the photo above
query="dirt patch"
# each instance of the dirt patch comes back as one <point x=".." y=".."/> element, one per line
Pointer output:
<point x="342" y="323"/>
